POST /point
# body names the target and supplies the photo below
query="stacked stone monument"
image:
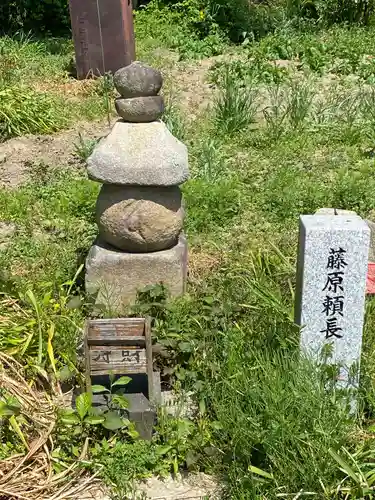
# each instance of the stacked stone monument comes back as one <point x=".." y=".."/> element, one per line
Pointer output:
<point x="139" y="209"/>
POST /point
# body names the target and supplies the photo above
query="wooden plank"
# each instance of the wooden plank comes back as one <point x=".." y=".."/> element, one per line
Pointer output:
<point x="150" y="371"/>
<point x="104" y="331"/>
<point x="87" y="358"/>
<point x="129" y="359"/>
<point x="116" y="370"/>
<point x="139" y="341"/>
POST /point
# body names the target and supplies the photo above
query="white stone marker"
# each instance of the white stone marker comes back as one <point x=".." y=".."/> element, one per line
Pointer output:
<point x="330" y="292"/>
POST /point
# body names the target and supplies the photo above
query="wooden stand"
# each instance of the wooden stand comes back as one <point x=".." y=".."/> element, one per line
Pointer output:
<point x="122" y="347"/>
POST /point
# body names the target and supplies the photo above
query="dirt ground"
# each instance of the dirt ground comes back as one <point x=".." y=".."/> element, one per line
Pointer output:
<point x="19" y="155"/>
<point x="188" y="487"/>
<point x="185" y="84"/>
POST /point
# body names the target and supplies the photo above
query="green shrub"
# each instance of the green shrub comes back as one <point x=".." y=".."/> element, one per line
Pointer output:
<point x="235" y="106"/>
<point x="41" y="16"/>
<point x="211" y="205"/>
<point x="23" y="111"/>
<point x="349" y="11"/>
<point x="249" y="19"/>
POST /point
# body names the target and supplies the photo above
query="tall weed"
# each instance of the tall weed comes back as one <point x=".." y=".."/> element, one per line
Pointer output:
<point x="235" y="107"/>
<point x="276" y="416"/>
<point x="23" y="111"/>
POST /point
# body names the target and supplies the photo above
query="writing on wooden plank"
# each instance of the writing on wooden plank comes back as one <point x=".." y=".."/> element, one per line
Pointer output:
<point x="120" y="346"/>
<point x="128" y="359"/>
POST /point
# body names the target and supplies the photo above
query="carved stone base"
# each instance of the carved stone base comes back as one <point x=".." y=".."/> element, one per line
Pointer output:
<point x="116" y="276"/>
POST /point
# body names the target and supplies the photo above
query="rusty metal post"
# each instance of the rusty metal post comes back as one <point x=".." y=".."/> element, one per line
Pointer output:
<point x="103" y="35"/>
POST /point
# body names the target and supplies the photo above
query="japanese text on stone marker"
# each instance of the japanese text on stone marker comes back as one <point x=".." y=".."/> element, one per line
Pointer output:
<point x="334" y="303"/>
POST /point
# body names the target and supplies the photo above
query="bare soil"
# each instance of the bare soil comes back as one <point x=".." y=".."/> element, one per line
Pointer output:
<point x="184" y="487"/>
<point x="19" y="155"/>
<point x="185" y="83"/>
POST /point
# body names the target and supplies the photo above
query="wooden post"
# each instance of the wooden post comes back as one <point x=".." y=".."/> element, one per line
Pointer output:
<point x="103" y="35"/>
<point x="87" y="357"/>
<point x="150" y="370"/>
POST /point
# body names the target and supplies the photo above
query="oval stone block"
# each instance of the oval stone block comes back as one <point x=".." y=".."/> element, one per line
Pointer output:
<point x="137" y="80"/>
<point x="140" y="219"/>
<point x="140" y="109"/>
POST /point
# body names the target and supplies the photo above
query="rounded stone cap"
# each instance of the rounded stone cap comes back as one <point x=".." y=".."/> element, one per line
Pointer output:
<point x="139" y="154"/>
<point x="140" y="109"/>
<point x="140" y="219"/>
<point x="137" y="80"/>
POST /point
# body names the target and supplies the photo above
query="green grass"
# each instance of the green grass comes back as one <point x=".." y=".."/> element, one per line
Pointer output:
<point x="274" y="144"/>
<point x="37" y="93"/>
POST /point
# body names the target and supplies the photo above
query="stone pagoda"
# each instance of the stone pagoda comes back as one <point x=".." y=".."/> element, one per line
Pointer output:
<point x="139" y="210"/>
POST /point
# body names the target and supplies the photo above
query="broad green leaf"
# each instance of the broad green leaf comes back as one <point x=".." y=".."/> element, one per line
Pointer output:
<point x="191" y="458"/>
<point x="98" y="388"/>
<point x="46" y="298"/>
<point x="69" y="418"/>
<point x="65" y="374"/>
<point x="260" y="472"/>
<point x="122" y="381"/>
<point x="133" y="434"/>
<point x="185" y="347"/>
<point x="120" y="400"/>
<point x="345" y="466"/>
<point x="113" y="421"/>
<point x="5" y="410"/>
<point x="74" y="303"/>
<point x="94" y="420"/>
<point x="83" y="404"/>
<point x="77" y="431"/>
<point x="14" y="404"/>
<point x="202" y="407"/>
<point x="210" y="451"/>
<point x="163" y="450"/>
<point x="17" y="429"/>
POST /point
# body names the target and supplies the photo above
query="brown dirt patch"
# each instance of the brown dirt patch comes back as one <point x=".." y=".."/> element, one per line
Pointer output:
<point x="19" y="155"/>
<point x="68" y="88"/>
<point x="202" y="263"/>
<point x="186" y="83"/>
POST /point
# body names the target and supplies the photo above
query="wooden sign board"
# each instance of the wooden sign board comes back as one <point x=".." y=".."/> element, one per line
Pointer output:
<point x="120" y="346"/>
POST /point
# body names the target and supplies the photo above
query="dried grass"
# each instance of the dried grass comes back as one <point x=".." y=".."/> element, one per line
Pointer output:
<point x="30" y="476"/>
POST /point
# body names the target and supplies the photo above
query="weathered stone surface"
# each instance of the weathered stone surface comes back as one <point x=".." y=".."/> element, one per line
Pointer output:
<point x="335" y="211"/>
<point x="104" y="37"/>
<point x="371" y="255"/>
<point x="140" y="109"/>
<point x="330" y="290"/>
<point x="140" y="411"/>
<point x="140" y="219"/>
<point x="139" y="154"/>
<point x="116" y="276"/>
<point x="137" y="79"/>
